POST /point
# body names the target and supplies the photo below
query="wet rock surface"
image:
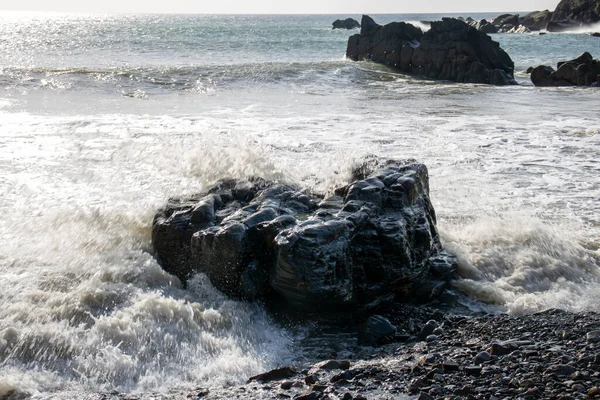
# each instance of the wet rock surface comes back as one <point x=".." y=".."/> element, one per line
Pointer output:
<point x="545" y="356"/>
<point x="581" y="71"/>
<point x="450" y="50"/>
<point x="369" y="241"/>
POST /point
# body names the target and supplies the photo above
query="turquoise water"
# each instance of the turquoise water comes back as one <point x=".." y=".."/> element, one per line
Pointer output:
<point x="102" y="118"/>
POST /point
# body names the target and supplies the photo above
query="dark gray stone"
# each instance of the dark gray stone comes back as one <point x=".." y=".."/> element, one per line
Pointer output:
<point x="373" y="239"/>
<point x="581" y="71"/>
<point x="562" y="26"/>
<point x="348" y="23"/>
<point x="274" y="375"/>
<point x="482" y="357"/>
<point x="593" y="337"/>
<point x="577" y="12"/>
<point x="427" y="329"/>
<point x="503" y="348"/>
<point x="560" y="370"/>
<point x="506" y="22"/>
<point x="331" y="365"/>
<point x="537" y="20"/>
<point x="378" y="329"/>
<point x="486" y="27"/>
<point x="473" y="370"/>
<point x="451" y="50"/>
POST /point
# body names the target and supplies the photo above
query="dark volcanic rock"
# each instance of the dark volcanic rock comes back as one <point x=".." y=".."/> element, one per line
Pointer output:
<point x="581" y="71"/>
<point x="274" y="375"/>
<point x="537" y="20"/>
<point x="579" y="12"/>
<point x="451" y="50"/>
<point x="377" y="329"/>
<point x="506" y="22"/>
<point x="562" y="26"/>
<point x="504" y="19"/>
<point x="348" y="23"/>
<point x="373" y="239"/>
<point x="486" y="27"/>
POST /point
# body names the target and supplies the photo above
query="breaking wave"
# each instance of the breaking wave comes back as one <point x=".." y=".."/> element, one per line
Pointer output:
<point x="523" y="265"/>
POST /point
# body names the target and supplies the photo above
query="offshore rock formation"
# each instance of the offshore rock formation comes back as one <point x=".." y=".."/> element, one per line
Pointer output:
<point x="451" y="50"/>
<point x="348" y="23"/>
<point x="582" y="71"/>
<point x="512" y="23"/>
<point x="372" y="240"/>
<point x="573" y="14"/>
<point x="536" y="20"/>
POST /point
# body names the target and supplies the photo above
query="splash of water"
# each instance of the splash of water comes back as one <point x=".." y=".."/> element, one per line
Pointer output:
<point x="523" y="265"/>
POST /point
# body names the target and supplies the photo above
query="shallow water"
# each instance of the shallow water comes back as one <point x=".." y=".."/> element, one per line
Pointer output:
<point x="104" y="117"/>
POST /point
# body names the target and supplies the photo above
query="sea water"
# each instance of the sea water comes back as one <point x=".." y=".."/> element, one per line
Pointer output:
<point x="103" y="117"/>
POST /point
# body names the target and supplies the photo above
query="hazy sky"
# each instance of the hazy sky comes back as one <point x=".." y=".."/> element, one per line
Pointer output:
<point x="279" y="6"/>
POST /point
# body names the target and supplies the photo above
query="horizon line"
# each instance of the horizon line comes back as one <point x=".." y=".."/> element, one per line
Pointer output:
<point x="246" y="13"/>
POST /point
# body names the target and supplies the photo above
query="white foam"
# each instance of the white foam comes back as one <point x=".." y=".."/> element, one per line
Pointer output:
<point x="524" y="265"/>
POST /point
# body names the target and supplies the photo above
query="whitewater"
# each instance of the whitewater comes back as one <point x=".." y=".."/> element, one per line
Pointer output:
<point x="104" y="117"/>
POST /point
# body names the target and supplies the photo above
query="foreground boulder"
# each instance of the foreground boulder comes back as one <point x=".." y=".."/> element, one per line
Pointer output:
<point x="348" y="23"/>
<point x="371" y="240"/>
<point x="581" y="71"/>
<point x="451" y="50"/>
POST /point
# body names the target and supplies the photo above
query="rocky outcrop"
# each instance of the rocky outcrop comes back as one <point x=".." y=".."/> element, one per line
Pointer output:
<point x="371" y="240"/>
<point x="348" y="23"/>
<point x="574" y="14"/>
<point x="562" y="26"/>
<point x="451" y="50"/>
<point x="581" y="12"/>
<point x="537" y="20"/>
<point x="513" y="23"/>
<point x="506" y="22"/>
<point x="485" y="27"/>
<point x="581" y="71"/>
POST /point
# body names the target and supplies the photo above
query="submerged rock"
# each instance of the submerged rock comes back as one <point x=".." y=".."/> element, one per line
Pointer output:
<point x="451" y="50"/>
<point x="348" y="23"/>
<point x="371" y="240"/>
<point x="581" y="71"/>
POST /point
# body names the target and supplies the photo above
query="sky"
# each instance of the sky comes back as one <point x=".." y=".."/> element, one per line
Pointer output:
<point x="278" y="6"/>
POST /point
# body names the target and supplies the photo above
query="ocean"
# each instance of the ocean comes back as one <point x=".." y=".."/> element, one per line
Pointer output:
<point x="104" y="117"/>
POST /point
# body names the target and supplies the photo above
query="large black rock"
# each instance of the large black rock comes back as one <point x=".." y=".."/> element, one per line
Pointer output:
<point x="572" y="13"/>
<point x="451" y="50"/>
<point x="581" y="71"/>
<point x="348" y="23"/>
<point x="371" y="240"/>
<point x="536" y="20"/>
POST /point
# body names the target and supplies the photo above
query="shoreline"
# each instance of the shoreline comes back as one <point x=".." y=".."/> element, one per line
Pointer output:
<point x="553" y="354"/>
